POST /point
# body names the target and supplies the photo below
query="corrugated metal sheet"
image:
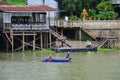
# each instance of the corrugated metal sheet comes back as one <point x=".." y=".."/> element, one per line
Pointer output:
<point x="115" y="1"/>
<point x="25" y="8"/>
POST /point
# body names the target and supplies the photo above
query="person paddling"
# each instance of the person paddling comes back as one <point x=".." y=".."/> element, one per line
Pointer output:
<point x="50" y="59"/>
<point x="68" y="56"/>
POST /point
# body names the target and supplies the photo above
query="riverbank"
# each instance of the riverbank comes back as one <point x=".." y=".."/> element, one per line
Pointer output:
<point x="51" y="51"/>
<point x="107" y="49"/>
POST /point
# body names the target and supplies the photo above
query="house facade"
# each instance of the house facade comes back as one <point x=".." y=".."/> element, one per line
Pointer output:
<point x="51" y="3"/>
<point x="24" y="17"/>
<point x="25" y="26"/>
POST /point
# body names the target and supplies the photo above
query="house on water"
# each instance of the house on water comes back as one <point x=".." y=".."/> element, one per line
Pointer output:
<point x="50" y="3"/>
<point x="25" y="27"/>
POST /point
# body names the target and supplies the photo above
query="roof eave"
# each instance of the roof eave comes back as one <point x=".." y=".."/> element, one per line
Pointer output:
<point x="28" y="11"/>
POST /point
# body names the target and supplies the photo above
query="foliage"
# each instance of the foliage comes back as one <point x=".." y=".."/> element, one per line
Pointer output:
<point x="86" y="38"/>
<point x="16" y="2"/>
<point x="75" y="7"/>
<point x="105" y="6"/>
<point x="71" y="5"/>
<point x="90" y="53"/>
<point x="44" y="51"/>
<point x="108" y="15"/>
<point x="39" y="51"/>
<point x="73" y="17"/>
<point x="92" y="13"/>
<point x="107" y="49"/>
<point x="105" y="10"/>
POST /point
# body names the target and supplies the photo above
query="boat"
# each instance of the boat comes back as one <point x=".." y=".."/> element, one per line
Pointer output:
<point x="56" y="60"/>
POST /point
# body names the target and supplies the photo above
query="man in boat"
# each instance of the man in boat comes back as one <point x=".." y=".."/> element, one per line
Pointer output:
<point x="68" y="56"/>
<point x="50" y="59"/>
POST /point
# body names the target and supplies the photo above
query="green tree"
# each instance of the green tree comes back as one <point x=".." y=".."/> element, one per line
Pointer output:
<point x="76" y="6"/>
<point x="106" y="10"/>
<point x="105" y="6"/>
<point x="92" y="13"/>
<point x="71" y="5"/>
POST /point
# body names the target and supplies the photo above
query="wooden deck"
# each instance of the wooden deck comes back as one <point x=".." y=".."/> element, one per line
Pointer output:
<point x="89" y="24"/>
<point x="41" y="38"/>
<point x="107" y="29"/>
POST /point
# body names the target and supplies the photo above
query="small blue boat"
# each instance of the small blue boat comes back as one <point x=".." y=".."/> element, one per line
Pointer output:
<point x="56" y="60"/>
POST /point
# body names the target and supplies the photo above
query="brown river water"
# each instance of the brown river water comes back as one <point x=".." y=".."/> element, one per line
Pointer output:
<point x="28" y="66"/>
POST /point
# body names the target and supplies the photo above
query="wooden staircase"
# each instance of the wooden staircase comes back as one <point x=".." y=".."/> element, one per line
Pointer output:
<point x="102" y="43"/>
<point x="61" y="38"/>
<point x="92" y="34"/>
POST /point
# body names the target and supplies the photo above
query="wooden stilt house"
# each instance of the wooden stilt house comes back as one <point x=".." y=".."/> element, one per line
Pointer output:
<point x="24" y="27"/>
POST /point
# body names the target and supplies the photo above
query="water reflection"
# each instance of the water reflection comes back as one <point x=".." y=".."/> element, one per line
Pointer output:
<point x="28" y="66"/>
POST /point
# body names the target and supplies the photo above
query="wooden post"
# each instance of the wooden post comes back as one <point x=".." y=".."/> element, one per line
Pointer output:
<point x="49" y="19"/>
<point x="26" y="39"/>
<point x="34" y="41"/>
<point x="41" y="39"/>
<point x="62" y="32"/>
<point x="50" y="38"/>
<point x="12" y="37"/>
<point x="80" y="34"/>
<point x="7" y="45"/>
<point x="76" y="34"/>
<point x="23" y="41"/>
<point x="12" y="40"/>
<point x="47" y="43"/>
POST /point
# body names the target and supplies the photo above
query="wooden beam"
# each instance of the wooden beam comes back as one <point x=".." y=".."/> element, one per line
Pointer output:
<point x="24" y="34"/>
<point x="80" y="34"/>
<point x="23" y="42"/>
<point x="8" y="38"/>
<point x="12" y="43"/>
<point x="50" y="38"/>
<point x="7" y="46"/>
<point x="34" y="41"/>
<point x="41" y="39"/>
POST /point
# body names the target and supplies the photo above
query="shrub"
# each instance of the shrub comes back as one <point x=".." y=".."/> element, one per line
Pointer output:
<point x="73" y="17"/>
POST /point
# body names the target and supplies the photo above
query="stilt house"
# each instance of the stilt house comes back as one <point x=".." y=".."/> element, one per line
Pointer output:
<point x="25" y="27"/>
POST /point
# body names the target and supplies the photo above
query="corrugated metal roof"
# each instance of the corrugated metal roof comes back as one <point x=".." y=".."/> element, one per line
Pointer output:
<point x="26" y="8"/>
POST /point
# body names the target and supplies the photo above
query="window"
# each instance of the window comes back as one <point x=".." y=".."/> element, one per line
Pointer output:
<point x="20" y="19"/>
<point x="39" y="17"/>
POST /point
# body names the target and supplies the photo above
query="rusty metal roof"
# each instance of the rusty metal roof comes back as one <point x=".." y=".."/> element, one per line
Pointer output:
<point x="26" y="8"/>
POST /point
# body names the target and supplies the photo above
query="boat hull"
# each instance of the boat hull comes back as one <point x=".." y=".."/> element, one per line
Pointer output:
<point x="55" y="60"/>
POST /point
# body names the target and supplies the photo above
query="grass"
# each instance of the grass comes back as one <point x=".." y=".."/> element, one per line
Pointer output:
<point x="39" y="51"/>
<point x="44" y="51"/>
<point x="107" y="49"/>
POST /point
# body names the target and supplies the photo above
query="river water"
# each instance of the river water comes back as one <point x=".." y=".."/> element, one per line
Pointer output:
<point x="28" y="66"/>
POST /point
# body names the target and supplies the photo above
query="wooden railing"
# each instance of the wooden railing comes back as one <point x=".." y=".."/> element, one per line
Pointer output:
<point x="9" y="26"/>
<point x="90" y="24"/>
